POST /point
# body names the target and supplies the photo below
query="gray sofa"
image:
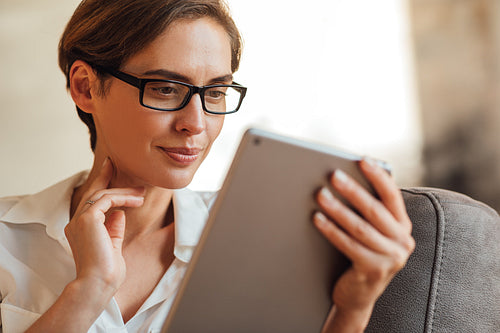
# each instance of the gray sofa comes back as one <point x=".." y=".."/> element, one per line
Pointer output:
<point x="452" y="281"/>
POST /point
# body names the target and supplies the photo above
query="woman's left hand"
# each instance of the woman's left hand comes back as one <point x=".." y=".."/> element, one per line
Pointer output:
<point x="378" y="242"/>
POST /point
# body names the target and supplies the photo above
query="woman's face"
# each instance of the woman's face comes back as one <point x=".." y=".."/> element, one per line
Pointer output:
<point x="156" y="147"/>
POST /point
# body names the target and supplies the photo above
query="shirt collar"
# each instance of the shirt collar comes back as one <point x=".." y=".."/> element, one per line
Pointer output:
<point x="51" y="207"/>
<point x="191" y="214"/>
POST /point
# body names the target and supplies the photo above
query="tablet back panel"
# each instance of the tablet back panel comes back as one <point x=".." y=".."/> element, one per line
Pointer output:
<point x="261" y="266"/>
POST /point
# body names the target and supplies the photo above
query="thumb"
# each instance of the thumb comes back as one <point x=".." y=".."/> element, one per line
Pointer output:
<point x="115" y="224"/>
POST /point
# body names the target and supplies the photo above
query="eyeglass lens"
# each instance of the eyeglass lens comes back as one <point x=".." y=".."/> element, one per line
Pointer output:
<point x="170" y="95"/>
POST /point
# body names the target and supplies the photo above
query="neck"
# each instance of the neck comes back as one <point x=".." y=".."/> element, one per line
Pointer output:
<point x="155" y="214"/>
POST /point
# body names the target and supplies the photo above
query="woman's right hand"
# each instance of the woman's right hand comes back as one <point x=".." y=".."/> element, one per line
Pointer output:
<point x="95" y="235"/>
<point x="96" y="231"/>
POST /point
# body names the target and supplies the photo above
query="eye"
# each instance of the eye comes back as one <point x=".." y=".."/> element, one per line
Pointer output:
<point x="217" y="93"/>
<point x="164" y="90"/>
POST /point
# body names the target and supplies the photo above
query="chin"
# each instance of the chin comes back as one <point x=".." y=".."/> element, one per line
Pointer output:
<point x="173" y="181"/>
<point x="176" y="185"/>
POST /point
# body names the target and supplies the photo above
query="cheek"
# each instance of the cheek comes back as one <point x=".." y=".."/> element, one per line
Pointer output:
<point x="214" y="127"/>
<point x="128" y="131"/>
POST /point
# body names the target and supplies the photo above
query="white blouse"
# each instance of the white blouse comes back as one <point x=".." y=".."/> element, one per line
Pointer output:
<point x="36" y="261"/>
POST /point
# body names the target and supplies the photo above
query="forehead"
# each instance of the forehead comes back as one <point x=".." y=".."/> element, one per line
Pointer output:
<point x="196" y="49"/>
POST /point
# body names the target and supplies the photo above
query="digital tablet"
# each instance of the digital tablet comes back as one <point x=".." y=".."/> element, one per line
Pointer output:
<point x="261" y="265"/>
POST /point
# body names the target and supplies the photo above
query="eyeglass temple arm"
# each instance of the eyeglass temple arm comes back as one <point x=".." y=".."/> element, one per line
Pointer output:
<point x="136" y="82"/>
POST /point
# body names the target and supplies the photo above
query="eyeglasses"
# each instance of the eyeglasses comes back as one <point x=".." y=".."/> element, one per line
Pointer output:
<point x="170" y="95"/>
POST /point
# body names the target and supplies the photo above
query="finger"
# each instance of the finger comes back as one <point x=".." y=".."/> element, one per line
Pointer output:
<point x="352" y="249"/>
<point x="366" y="204"/>
<point x="352" y="223"/>
<point x="134" y="191"/>
<point x="108" y="201"/>
<point x="115" y="224"/>
<point x="386" y="189"/>
<point x="87" y="204"/>
<point x="393" y="258"/>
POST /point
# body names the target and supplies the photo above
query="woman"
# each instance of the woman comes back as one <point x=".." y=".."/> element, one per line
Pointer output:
<point x="149" y="78"/>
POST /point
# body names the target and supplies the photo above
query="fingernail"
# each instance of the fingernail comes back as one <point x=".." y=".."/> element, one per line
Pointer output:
<point x="370" y="161"/>
<point x="340" y="176"/>
<point x="327" y="194"/>
<point x="106" y="161"/>
<point x="320" y="218"/>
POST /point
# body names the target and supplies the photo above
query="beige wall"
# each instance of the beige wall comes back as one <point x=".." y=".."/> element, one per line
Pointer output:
<point x="361" y="103"/>
<point x="41" y="140"/>
<point x="457" y="46"/>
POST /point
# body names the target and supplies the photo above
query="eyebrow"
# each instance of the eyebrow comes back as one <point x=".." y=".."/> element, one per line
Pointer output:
<point x="179" y="77"/>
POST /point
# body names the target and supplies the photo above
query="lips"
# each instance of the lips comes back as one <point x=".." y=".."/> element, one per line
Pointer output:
<point x="182" y="155"/>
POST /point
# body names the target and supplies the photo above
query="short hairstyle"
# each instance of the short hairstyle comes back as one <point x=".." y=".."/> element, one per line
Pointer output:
<point x="107" y="33"/>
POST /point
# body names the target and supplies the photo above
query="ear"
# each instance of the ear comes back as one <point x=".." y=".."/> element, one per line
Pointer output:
<point x="83" y="83"/>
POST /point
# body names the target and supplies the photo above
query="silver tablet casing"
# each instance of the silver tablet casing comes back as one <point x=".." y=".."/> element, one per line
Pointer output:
<point x="261" y="265"/>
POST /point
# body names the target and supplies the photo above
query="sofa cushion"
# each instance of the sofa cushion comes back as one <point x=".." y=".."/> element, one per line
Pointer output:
<point x="451" y="282"/>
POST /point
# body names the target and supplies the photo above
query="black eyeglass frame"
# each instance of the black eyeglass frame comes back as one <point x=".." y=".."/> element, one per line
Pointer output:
<point x="141" y="83"/>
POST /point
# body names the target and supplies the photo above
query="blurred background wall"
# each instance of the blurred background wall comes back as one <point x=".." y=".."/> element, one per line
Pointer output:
<point x="413" y="82"/>
<point x="457" y="58"/>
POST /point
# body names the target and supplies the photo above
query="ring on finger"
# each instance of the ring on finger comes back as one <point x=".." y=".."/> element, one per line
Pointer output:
<point x="90" y="202"/>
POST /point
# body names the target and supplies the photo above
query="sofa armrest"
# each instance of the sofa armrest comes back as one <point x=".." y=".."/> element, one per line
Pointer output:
<point x="451" y="282"/>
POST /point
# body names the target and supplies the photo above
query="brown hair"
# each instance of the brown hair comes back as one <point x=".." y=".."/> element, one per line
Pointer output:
<point x="107" y="33"/>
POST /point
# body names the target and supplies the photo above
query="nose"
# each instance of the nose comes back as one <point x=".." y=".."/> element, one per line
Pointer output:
<point x="191" y="118"/>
